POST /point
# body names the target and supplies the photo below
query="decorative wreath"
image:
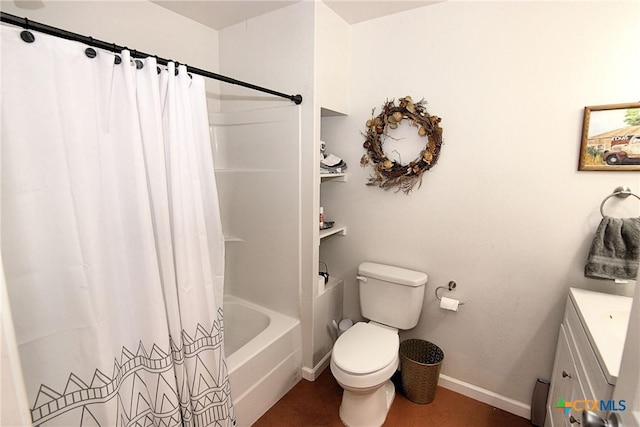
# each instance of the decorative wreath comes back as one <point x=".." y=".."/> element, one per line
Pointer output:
<point x="390" y="173"/>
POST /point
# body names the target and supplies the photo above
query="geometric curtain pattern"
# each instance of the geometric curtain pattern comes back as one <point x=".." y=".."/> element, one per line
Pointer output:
<point x="148" y="388"/>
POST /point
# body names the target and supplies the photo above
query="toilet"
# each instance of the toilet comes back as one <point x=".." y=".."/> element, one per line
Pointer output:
<point x="366" y="356"/>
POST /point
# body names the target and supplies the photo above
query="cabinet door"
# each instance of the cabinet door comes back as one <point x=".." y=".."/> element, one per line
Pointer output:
<point x="573" y="418"/>
<point x="564" y="383"/>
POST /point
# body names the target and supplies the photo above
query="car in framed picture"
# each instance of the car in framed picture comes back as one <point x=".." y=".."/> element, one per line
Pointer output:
<point x="611" y="138"/>
<point x="624" y="151"/>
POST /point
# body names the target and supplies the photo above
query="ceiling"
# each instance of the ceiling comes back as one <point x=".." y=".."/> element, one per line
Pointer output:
<point x="219" y="14"/>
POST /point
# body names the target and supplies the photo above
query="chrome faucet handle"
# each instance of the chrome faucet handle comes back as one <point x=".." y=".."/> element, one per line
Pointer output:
<point x="591" y="419"/>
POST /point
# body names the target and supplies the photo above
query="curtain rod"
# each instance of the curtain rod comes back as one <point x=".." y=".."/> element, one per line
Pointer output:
<point x="112" y="47"/>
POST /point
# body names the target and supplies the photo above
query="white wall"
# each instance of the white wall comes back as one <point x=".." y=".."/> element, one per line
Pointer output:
<point x="276" y="51"/>
<point x="332" y="35"/>
<point x="505" y="212"/>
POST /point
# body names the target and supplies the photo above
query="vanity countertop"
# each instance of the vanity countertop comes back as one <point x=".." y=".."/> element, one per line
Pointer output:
<point x="605" y="318"/>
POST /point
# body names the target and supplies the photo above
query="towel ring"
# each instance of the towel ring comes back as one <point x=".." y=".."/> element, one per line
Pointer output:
<point x="622" y="192"/>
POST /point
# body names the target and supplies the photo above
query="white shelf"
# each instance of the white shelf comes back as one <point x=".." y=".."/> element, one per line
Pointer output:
<point x="228" y="239"/>
<point x="332" y="283"/>
<point x="342" y="177"/>
<point x="327" y="112"/>
<point x="336" y="229"/>
<point x="245" y="170"/>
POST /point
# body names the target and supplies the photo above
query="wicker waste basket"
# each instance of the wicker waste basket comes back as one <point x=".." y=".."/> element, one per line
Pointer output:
<point x="420" y="362"/>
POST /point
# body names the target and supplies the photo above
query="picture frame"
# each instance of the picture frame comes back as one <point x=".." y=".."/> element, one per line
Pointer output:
<point x="610" y="138"/>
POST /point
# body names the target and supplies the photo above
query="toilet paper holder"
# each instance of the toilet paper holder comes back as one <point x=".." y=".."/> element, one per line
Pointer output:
<point x="451" y="286"/>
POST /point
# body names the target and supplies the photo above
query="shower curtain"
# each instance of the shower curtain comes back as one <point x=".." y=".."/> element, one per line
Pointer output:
<point x="111" y="237"/>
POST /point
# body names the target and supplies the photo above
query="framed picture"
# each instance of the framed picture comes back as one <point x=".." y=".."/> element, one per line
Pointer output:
<point x="611" y="138"/>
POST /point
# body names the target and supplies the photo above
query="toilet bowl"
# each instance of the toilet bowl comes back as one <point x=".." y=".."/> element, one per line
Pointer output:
<point x="366" y="356"/>
<point x="363" y="360"/>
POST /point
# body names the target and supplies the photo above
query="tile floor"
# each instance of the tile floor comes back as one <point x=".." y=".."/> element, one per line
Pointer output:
<point x="315" y="404"/>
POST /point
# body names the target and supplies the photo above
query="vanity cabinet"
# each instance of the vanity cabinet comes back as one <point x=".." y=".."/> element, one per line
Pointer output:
<point x="586" y="365"/>
<point x="565" y="383"/>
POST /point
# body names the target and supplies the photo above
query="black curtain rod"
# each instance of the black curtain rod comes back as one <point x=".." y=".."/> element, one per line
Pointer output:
<point x="112" y="47"/>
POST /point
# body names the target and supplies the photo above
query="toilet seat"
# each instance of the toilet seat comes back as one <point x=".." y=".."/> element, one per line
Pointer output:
<point x="366" y="348"/>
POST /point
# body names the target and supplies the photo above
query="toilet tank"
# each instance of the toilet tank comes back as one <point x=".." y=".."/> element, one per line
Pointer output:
<point x="391" y="295"/>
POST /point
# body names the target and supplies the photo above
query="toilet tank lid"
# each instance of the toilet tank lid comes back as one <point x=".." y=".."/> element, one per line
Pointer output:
<point x="392" y="274"/>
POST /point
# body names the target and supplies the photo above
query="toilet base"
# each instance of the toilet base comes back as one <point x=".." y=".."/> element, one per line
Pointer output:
<point x="367" y="408"/>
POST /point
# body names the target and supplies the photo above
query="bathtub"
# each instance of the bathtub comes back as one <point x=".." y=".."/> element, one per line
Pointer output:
<point x="263" y="350"/>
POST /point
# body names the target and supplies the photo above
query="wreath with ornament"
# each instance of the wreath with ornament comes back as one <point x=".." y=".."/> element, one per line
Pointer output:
<point x="391" y="173"/>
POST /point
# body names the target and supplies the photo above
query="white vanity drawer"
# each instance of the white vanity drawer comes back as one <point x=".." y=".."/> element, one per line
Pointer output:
<point x="592" y="378"/>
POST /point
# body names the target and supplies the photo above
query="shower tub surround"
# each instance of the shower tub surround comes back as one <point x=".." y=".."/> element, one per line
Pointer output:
<point x="255" y="155"/>
<point x="263" y="352"/>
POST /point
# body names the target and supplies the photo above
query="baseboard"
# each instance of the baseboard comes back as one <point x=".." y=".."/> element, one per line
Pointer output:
<point x="485" y="396"/>
<point x="311" y="374"/>
<point x="474" y="392"/>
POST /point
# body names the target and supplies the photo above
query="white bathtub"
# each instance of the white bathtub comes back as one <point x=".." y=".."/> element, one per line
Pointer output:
<point x="263" y="350"/>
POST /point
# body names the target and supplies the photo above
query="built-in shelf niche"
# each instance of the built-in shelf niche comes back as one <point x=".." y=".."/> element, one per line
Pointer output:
<point x="331" y="283"/>
<point x="341" y="177"/>
<point x="336" y="229"/>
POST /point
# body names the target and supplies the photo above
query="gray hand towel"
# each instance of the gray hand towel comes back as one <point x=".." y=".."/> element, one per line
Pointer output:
<point x="615" y="251"/>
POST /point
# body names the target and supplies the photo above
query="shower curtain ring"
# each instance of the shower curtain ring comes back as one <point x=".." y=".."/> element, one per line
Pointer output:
<point x="26" y="35"/>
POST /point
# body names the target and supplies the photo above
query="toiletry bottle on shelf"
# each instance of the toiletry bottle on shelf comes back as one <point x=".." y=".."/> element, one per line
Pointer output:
<point x="321" y="217"/>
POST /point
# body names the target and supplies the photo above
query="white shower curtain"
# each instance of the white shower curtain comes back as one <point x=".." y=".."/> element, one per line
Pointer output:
<point x="111" y="238"/>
